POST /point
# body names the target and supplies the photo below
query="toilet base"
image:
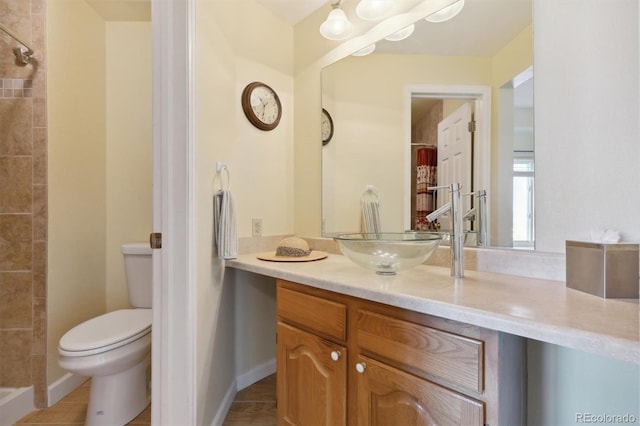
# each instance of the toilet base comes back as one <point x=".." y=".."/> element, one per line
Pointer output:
<point x="119" y="398"/>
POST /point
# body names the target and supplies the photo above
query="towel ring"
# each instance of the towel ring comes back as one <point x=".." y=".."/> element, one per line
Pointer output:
<point x="220" y="167"/>
<point x="370" y="190"/>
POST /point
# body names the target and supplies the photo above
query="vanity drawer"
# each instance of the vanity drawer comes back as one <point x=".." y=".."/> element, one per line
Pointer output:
<point x="321" y="316"/>
<point x="451" y="357"/>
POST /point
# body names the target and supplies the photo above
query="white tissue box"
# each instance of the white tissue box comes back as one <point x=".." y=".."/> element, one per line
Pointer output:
<point x="605" y="270"/>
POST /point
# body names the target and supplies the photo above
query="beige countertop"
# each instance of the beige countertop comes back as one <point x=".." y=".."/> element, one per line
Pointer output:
<point x="533" y="308"/>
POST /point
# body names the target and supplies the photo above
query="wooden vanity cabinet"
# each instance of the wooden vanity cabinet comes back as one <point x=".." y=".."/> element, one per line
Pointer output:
<point x="311" y="359"/>
<point x="313" y="388"/>
<point x="342" y="360"/>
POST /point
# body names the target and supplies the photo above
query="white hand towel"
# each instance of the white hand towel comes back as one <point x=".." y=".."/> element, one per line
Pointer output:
<point x="224" y="225"/>
<point x="369" y="204"/>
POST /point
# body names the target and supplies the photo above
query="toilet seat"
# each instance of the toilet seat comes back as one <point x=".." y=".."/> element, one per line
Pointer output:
<point x="106" y="332"/>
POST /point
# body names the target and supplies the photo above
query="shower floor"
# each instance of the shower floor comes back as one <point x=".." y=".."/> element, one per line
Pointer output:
<point x="14" y="402"/>
<point x="6" y="392"/>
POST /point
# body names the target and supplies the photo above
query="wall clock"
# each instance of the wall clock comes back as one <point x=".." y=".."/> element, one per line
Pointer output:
<point x="327" y="127"/>
<point x="261" y="105"/>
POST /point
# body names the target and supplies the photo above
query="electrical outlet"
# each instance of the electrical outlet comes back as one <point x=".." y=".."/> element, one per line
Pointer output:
<point x="256" y="227"/>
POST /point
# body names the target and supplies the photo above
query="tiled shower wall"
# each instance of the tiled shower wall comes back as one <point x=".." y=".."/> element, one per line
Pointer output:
<point x="23" y="201"/>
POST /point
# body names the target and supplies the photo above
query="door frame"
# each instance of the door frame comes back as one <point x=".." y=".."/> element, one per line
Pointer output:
<point x="173" y="347"/>
<point x="482" y="142"/>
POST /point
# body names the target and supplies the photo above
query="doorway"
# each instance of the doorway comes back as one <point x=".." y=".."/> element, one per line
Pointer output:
<point x="429" y="95"/>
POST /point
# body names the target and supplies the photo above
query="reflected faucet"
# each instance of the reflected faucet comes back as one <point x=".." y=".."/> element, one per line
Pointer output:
<point x="479" y="214"/>
<point x="457" y="233"/>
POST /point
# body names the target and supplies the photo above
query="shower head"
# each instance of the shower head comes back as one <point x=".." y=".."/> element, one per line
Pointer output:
<point x="23" y="54"/>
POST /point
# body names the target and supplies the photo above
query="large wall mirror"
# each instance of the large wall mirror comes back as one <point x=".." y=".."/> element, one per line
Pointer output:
<point x="390" y="108"/>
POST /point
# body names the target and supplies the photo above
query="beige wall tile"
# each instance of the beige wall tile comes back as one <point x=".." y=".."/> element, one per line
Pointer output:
<point x="39" y="212"/>
<point x="39" y="112"/>
<point x="16" y="236"/>
<point x="39" y="326"/>
<point x="15" y="300"/>
<point x="16" y="15"/>
<point x="16" y="184"/>
<point x="38" y="367"/>
<point x="16" y="116"/>
<point x="15" y="354"/>
<point x="23" y="206"/>
<point x="39" y="84"/>
<point x="38" y="7"/>
<point x="39" y="155"/>
<point x="40" y="269"/>
<point x="38" y="40"/>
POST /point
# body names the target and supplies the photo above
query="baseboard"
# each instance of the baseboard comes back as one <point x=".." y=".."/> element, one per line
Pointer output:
<point x="64" y="386"/>
<point x="256" y="374"/>
<point x="218" y="420"/>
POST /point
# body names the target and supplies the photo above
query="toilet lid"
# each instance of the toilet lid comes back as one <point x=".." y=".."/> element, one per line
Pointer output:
<point x="106" y="332"/>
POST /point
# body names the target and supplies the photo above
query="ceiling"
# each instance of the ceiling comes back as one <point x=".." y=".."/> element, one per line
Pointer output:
<point x="293" y="11"/>
<point x="122" y="10"/>
<point x="482" y="28"/>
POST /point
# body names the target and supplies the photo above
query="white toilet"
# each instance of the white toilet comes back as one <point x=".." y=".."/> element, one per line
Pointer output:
<point x="114" y="349"/>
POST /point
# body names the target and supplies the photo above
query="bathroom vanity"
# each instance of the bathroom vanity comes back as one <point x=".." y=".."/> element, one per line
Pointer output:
<point x="422" y="343"/>
<point x="344" y="360"/>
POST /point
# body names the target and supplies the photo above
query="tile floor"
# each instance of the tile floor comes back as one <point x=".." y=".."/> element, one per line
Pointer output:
<point x="255" y="405"/>
<point x="72" y="410"/>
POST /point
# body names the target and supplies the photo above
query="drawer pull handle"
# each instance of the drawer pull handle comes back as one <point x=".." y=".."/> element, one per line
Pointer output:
<point x="360" y="366"/>
<point x="335" y="355"/>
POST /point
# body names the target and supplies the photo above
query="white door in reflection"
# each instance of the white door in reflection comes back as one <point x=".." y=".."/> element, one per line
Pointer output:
<point x="455" y="156"/>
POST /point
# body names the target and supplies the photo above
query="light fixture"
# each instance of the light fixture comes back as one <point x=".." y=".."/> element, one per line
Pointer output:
<point x="337" y="26"/>
<point x="365" y="50"/>
<point x="446" y="13"/>
<point x="402" y="34"/>
<point x="372" y="10"/>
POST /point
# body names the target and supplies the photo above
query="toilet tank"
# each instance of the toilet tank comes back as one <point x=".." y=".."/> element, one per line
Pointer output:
<point x="138" y="269"/>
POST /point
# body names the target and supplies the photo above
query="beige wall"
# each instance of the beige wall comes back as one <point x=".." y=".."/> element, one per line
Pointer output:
<point x="370" y="134"/>
<point x="513" y="59"/>
<point x="100" y="161"/>
<point x="369" y="144"/>
<point x="586" y="121"/>
<point x="128" y="163"/>
<point x="260" y="164"/>
<point x="77" y="169"/>
<point x="311" y="54"/>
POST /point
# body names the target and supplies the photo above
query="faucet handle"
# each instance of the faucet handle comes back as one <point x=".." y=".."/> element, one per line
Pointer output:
<point x="454" y="187"/>
<point x="479" y="193"/>
<point x="435" y="188"/>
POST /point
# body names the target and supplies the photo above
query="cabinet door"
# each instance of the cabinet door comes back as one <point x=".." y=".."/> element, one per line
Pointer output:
<point x="312" y="379"/>
<point x="388" y="396"/>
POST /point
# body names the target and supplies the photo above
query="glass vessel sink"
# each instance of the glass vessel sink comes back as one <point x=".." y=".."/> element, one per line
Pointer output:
<point x="387" y="252"/>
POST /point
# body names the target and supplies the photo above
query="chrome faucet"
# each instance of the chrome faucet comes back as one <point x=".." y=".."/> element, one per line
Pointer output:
<point x="479" y="215"/>
<point x="457" y="233"/>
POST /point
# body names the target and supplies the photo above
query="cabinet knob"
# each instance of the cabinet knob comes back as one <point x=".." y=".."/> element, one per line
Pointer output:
<point x="335" y="355"/>
<point x="360" y="366"/>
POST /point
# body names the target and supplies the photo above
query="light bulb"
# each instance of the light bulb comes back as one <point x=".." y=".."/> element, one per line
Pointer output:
<point x="365" y="50"/>
<point x="446" y="13"/>
<point x="402" y="34"/>
<point x="372" y="10"/>
<point x="337" y="26"/>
